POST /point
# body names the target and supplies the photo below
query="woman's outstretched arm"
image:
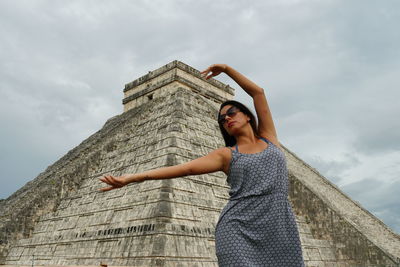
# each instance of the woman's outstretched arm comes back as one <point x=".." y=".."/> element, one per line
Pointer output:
<point x="214" y="161"/>
<point x="266" y="125"/>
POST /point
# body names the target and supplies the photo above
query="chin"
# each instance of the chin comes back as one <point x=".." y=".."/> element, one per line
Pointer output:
<point x="231" y="132"/>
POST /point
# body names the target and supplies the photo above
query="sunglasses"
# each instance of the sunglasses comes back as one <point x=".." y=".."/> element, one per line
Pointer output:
<point x="231" y="112"/>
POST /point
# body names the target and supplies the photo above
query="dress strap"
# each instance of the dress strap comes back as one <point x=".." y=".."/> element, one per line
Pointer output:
<point x="233" y="149"/>
<point x="265" y="140"/>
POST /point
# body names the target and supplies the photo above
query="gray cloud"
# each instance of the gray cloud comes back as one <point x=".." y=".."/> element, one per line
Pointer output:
<point x="379" y="198"/>
<point x="334" y="169"/>
<point x="330" y="70"/>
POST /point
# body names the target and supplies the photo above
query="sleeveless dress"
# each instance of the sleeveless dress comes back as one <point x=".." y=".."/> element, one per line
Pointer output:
<point x="257" y="226"/>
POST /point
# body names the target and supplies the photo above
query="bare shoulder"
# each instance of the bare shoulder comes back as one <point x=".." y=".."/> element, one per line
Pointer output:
<point x="226" y="155"/>
<point x="224" y="152"/>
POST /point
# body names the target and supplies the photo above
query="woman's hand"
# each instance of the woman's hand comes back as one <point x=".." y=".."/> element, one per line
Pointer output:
<point x="215" y="70"/>
<point x="114" y="182"/>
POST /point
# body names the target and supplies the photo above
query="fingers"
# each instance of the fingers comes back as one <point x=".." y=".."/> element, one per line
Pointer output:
<point x="104" y="189"/>
<point x="109" y="179"/>
<point x="204" y="73"/>
<point x="106" y="179"/>
<point x="209" y="76"/>
<point x="215" y="70"/>
<point x="112" y="181"/>
<point x="209" y="68"/>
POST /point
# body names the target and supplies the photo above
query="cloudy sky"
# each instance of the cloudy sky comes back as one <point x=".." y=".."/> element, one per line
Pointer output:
<point x="330" y="69"/>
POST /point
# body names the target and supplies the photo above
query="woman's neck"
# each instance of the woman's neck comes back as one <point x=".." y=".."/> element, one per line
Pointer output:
<point x="247" y="137"/>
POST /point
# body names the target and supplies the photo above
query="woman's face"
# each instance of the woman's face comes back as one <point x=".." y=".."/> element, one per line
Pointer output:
<point x="232" y="119"/>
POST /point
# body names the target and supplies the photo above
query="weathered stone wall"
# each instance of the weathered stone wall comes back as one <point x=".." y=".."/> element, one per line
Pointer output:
<point x="346" y="246"/>
<point x="154" y="223"/>
<point x="21" y="211"/>
<point x="337" y="224"/>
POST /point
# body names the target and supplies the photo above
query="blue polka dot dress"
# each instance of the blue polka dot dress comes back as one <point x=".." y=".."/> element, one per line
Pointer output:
<point x="257" y="227"/>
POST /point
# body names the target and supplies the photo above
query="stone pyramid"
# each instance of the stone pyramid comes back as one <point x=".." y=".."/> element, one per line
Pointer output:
<point x="169" y="117"/>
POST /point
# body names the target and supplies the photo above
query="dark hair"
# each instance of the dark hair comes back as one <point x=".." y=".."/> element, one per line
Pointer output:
<point x="230" y="140"/>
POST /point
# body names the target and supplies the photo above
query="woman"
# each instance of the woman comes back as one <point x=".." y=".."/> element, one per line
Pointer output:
<point x="257" y="226"/>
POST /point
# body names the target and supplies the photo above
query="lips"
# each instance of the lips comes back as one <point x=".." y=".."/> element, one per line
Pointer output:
<point x="230" y="124"/>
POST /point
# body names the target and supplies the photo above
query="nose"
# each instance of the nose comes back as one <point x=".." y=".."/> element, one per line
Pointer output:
<point x="227" y="120"/>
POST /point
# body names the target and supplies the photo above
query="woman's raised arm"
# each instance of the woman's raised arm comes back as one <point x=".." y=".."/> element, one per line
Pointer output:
<point x="214" y="161"/>
<point x="266" y="127"/>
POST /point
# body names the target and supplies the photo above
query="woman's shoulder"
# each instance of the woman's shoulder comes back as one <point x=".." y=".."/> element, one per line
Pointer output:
<point x="226" y="154"/>
<point x="224" y="151"/>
